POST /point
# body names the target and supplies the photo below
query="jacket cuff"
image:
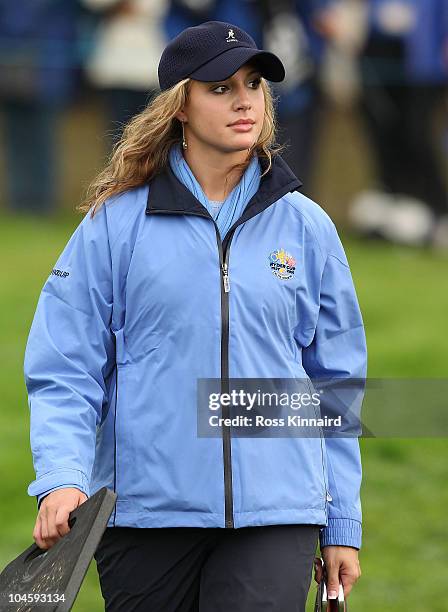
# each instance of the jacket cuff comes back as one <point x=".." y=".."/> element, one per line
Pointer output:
<point x="341" y="532"/>
<point x="58" y="478"/>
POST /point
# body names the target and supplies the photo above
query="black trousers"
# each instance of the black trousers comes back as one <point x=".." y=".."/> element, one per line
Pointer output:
<point x="194" y="569"/>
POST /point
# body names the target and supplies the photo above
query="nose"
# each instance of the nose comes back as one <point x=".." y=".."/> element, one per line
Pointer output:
<point x="243" y="105"/>
<point x="242" y="100"/>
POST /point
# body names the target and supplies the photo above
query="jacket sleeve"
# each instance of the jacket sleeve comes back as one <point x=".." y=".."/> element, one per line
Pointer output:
<point x="69" y="353"/>
<point x="338" y="351"/>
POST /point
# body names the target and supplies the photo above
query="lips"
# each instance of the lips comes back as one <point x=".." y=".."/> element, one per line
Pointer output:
<point x="242" y="122"/>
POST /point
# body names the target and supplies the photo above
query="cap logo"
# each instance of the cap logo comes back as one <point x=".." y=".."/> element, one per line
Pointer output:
<point x="231" y="36"/>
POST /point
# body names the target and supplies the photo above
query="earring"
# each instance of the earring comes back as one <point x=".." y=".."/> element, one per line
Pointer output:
<point x="184" y="142"/>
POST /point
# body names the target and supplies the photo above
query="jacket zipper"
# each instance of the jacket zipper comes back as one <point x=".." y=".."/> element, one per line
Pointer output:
<point x="226" y="430"/>
<point x="225" y="289"/>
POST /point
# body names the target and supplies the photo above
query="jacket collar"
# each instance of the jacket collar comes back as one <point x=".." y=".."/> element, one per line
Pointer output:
<point x="168" y="195"/>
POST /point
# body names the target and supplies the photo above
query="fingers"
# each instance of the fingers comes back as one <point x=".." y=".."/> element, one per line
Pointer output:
<point x="342" y="565"/>
<point x="318" y="570"/>
<point x="37" y="533"/>
<point x="49" y="533"/>
<point x="349" y="577"/>
<point x="347" y="584"/>
<point x="61" y="521"/>
<point x="52" y="521"/>
<point x="333" y="579"/>
<point x="41" y="533"/>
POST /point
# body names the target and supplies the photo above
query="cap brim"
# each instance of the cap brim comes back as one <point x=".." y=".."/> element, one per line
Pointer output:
<point x="223" y="66"/>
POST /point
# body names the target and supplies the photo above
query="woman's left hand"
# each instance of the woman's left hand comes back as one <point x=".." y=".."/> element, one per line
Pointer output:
<point x="342" y="565"/>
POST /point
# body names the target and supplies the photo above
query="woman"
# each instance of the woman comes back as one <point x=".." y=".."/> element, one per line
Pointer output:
<point x="198" y="260"/>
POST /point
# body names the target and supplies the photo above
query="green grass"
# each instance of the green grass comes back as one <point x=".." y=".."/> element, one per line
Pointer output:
<point x="404" y="300"/>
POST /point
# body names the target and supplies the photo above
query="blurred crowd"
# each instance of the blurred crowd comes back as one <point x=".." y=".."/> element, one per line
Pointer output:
<point x="385" y="59"/>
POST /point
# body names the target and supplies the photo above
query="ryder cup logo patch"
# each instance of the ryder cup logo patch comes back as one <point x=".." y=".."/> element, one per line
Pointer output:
<point x="282" y="264"/>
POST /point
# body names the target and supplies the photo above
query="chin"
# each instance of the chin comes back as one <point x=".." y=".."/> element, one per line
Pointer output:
<point x="240" y="144"/>
<point x="237" y="144"/>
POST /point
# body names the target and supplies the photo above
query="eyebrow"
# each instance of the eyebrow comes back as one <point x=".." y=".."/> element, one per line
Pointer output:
<point x="255" y="71"/>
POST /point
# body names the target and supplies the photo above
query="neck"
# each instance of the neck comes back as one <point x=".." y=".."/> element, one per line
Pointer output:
<point x="212" y="167"/>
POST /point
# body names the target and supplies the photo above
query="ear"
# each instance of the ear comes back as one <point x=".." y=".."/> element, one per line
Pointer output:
<point x="181" y="116"/>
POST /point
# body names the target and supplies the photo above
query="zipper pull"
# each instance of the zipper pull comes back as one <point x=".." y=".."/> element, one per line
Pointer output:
<point x="329" y="498"/>
<point x="225" y="278"/>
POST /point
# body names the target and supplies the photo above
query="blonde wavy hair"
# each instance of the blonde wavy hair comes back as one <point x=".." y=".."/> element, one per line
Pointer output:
<point x="143" y="149"/>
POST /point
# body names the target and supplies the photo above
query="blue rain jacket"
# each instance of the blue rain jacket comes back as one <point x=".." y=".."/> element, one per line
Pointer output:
<point x="145" y="300"/>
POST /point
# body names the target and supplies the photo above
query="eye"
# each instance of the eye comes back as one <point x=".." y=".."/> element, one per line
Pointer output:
<point x="255" y="82"/>
<point x="215" y="89"/>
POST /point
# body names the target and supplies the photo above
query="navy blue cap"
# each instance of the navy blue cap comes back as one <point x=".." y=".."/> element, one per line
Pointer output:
<point x="213" y="51"/>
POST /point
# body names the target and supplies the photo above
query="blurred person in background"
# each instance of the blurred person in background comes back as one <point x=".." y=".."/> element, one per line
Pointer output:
<point x="38" y="78"/>
<point x="123" y="64"/>
<point x="290" y="29"/>
<point x="404" y="73"/>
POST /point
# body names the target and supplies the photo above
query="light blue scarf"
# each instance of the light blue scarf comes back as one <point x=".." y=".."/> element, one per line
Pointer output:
<point x="235" y="203"/>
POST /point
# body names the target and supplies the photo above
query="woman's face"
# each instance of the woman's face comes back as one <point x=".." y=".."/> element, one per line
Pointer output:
<point x="213" y="108"/>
